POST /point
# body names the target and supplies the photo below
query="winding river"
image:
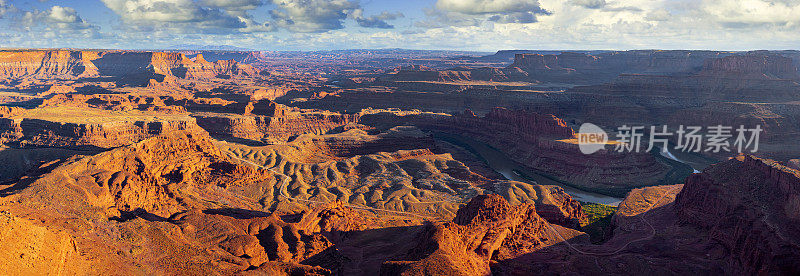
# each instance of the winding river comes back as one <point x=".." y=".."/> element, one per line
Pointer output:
<point x="511" y="170"/>
<point x="672" y="156"/>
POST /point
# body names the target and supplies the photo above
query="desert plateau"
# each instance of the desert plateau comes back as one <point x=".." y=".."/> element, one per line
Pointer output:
<point x="445" y="137"/>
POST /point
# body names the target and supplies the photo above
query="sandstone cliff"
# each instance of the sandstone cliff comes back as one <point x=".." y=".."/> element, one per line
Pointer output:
<point x="137" y="67"/>
<point x="543" y="143"/>
<point x="752" y="65"/>
<point x="750" y="206"/>
<point x="76" y="131"/>
<point x="273" y="129"/>
<point x="47" y="64"/>
<point x="486" y="229"/>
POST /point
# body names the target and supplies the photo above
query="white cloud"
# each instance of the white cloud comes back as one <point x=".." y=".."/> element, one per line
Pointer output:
<point x="488" y="6"/>
<point x="504" y="11"/>
<point x="233" y="5"/>
<point x="176" y="15"/>
<point x="448" y="24"/>
<point x="589" y="4"/>
<point x="376" y="21"/>
<point x="5" y="8"/>
<point x="311" y="16"/>
<point x="60" y="14"/>
<point x="742" y="13"/>
<point x="658" y="15"/>
<point x="57" y="17"/>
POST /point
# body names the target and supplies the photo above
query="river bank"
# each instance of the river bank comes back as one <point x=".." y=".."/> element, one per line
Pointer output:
<point x="511" y="170"/>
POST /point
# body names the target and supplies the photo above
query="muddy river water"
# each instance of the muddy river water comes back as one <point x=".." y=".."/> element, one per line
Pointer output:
<point x="512" y="170"/>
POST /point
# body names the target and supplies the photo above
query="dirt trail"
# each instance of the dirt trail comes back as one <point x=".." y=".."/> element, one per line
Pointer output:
<point x="650" y="236"/>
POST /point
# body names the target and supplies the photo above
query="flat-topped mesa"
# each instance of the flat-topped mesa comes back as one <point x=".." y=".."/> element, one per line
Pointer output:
<point x="115" y="102"/>
<point x="178" y="65"/>
<point x="545" y="62"/>
<point x="751" y="77"/>
<point x="752" y="65"/>
<point x="422" y="73"/>
<point x="47" y="64"/>
<point x="36" y="132"/>
<point x="246" y="57"/>
<point x="750" y="206"/>
<point x="533" y="123"/>
<point x="72" y="64"/>
<point x="271" y="122"/>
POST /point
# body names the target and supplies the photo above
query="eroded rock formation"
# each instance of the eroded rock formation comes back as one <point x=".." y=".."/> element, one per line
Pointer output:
<point x="750" y="206"/>
<point x="545" y="143"/>
<point x="487" y="228"/>
<point x="143" y="65"/>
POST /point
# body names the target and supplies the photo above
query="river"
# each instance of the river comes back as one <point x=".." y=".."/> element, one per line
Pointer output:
<point x="670" y="155"/>
<point x="512" y="170"/>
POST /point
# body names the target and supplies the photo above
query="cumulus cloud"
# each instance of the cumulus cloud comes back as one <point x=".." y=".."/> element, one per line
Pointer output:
<point x="175" y="14"/>
<point x="503" y="11"/>
<point x="233" y="5"/>
<point x="311" y="16"/>
<point x="5" y="8"/>
<point x="317" y="16"/>
<point x="60" y="14"/>
<point x="376" y="21"/>
<point x="488" y="6"/>
<point x="589" y="4"/>
<point x="745" y="13"/>
<point x="57" y="17"/>
<point x="658" y="15"/>
<point x="454" y="24"/>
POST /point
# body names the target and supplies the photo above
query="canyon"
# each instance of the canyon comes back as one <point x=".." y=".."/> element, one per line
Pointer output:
<point x="393" y="162"/>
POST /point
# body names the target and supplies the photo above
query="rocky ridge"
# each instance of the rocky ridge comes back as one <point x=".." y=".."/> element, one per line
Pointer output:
<point x="750" y="207"/>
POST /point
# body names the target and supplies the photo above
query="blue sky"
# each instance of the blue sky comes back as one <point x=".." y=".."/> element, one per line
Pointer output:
<point x="481" y="25"/>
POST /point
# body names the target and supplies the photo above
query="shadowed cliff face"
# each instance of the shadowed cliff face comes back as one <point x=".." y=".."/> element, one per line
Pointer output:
<point x="127" y="68"/>
<point x="750" y="206"/>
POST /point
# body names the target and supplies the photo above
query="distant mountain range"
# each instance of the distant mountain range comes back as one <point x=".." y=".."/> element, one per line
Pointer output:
<point x="208" y="47"/>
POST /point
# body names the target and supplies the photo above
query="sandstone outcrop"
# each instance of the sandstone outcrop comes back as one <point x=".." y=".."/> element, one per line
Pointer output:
<point x="47" y="64"/>
<point x="180" y="204"/>
<point x="38" y="132"/>
<point x="752" y="65"/>
<point x="751" y="77"/>
<point x="277" y="127"/>
<point x="246" y="57"/>
<point x="29" y="248"/>
<point x="422" y="73"/>
<point x="486" y="229"/>
<point x="162" y="197"/>
<point x="750" y="206"/>
<point x="114" y="102"/>
<point x="601" y="67"/>
<point x="779" y="122"/>
<point x="136" y="67"/>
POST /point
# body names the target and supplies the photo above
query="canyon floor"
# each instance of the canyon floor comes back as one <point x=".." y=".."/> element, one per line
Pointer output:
<point x="395" y="163"/>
